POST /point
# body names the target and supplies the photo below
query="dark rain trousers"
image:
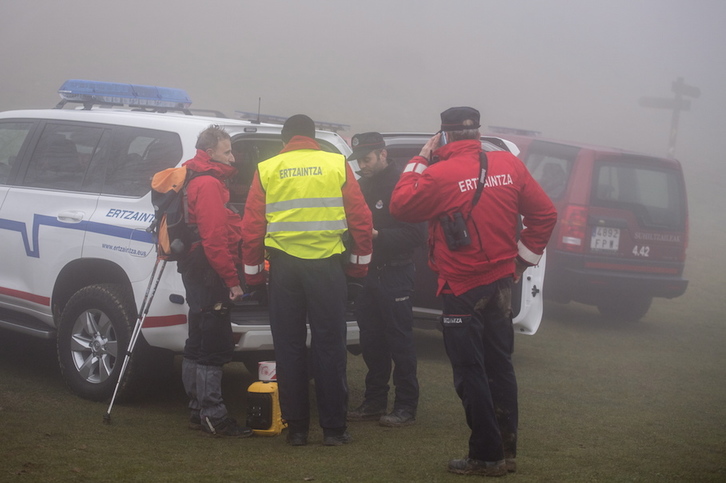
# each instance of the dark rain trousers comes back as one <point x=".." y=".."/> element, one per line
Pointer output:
<point x="479" y="340"/>
<point x="312" y="291"/>
<point x="385" y="319"/>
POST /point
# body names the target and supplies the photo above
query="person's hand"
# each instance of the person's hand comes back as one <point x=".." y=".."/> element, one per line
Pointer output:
<point x="236" y="293"/>
<point x="430" y="146"/>
<point x="258" y="293"/>
<point x="374" y="234"/>
<point x="519" y="268"/>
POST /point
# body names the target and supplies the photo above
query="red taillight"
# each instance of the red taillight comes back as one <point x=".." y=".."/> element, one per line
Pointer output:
<point x="573" y="229"/>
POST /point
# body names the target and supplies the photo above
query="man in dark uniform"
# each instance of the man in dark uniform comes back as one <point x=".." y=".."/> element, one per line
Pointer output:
<point x="383" y="308"/>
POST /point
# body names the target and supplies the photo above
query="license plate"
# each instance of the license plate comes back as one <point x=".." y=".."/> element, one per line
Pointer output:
<point x="605" y="239"/>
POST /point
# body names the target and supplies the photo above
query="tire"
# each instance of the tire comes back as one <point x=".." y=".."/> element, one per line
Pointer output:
<point x="93" y="335"/>
<point x="625" y="308"/>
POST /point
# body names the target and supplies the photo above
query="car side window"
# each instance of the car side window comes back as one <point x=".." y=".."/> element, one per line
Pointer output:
<point x="248" y="152"/>
<point x="551" y="173"/>
<point x="62" y="156"/>
<point x="12" y="137"/>
<point x="551" y="164"/>
<point x="136" y="154"/>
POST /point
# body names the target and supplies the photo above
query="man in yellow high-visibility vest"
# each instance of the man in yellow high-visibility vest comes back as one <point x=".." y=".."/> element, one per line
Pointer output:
<point x="301" y="206"/>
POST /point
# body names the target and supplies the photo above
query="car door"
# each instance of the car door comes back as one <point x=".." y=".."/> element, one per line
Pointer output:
<point x="45" y="213"/>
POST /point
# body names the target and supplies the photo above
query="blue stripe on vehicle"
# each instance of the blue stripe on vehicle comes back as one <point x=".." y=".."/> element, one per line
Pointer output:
<point x="93" y="227"/>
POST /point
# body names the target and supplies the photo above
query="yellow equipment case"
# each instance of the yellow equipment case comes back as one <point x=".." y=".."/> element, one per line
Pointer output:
<point x="263" y="409"/>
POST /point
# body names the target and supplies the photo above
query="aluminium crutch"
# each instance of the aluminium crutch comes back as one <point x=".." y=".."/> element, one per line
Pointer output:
<point x="143" y="310"/>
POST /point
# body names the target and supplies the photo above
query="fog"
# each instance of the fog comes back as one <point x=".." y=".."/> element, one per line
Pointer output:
<point x="571" y="70"/>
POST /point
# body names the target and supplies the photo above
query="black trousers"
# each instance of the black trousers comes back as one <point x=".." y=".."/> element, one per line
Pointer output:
<point x="385" y="318"/>
<point x="210" y="341"/>
<point x="312" y="291"/>
<point x="479" y="340"/>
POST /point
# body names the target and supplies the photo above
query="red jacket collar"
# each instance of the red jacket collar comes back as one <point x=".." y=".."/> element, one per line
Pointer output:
<point x="457" y="148"/>
<point x="300" y="142"/>
<point x="203" y="163"/>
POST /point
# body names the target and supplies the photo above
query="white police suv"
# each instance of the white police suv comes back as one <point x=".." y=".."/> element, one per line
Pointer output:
<point x="76" y="257"/>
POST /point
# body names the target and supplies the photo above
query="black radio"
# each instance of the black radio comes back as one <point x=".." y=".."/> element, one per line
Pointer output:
<point x="455" y="232"/>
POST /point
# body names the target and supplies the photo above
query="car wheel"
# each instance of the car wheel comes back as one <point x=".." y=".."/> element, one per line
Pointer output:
<point x="625" y="308"/>
<point x="94" y="332"/>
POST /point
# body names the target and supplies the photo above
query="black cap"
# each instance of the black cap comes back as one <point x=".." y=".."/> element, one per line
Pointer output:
<point x="453" y="118"/>
<point x="364" y="143"/>
<point x="298" y="125"/>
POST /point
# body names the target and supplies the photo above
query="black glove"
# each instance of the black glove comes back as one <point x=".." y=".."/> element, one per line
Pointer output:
<point x="355" y="285"/>
<point x="258" y="293"/>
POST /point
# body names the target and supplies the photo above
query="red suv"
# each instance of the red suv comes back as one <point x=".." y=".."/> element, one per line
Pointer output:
<point x="622" y="231"/>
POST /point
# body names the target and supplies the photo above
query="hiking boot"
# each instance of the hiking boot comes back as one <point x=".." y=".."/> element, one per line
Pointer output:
<point x="366" y="412"/>
<point x="338" y="440"/>
<point x="195" y="421"/>
<point x="297" y="439"/>
<point x="398" y="418"/>
<point x="226" y="427"/>
<point x="468" y="466"/>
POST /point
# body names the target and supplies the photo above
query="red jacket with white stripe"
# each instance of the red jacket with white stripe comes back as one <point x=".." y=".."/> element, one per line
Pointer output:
<point x="425" y="193"/>
<point x="358" y="218"/>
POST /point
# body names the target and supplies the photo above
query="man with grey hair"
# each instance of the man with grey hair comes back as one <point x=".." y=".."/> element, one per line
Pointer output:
<point x="473" y="202"/>
<point x="210" y="276"/>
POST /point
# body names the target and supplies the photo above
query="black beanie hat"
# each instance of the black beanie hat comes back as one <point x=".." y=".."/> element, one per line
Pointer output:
<point x="298" y="125"/>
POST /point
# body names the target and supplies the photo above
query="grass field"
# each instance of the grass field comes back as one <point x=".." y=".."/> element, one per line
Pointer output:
<point x="598" y="402"/>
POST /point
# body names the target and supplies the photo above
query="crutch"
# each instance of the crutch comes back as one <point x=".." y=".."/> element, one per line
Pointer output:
<point x="143" y="310"/>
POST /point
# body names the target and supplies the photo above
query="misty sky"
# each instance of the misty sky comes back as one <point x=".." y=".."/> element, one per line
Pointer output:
<point x="572" y="70"/>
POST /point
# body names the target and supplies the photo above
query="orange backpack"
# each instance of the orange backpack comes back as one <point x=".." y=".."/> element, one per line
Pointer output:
<point x="171" y="230"/>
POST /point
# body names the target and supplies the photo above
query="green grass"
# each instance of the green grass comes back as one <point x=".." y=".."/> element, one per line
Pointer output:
<point x="598" y="403"/>
<point x="644" y="402"/>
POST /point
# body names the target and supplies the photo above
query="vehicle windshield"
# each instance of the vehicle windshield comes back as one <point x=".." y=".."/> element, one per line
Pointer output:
<point x="655" y="195"/>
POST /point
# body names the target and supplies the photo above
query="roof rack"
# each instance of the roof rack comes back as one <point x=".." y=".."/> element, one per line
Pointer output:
<point x="512" y="130"/>
<point x="271" y="119"/>
<point x="208" y="113"/>
<point x="139" y="97"/>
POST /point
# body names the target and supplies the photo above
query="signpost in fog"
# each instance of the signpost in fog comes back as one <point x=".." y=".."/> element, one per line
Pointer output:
<point x="676" y="104"/>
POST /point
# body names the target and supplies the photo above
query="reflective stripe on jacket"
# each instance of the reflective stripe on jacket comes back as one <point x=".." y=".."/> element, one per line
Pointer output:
<point x="304" y="204"/>
<point x="357" y="215"/>
<point x="425" y="193"/>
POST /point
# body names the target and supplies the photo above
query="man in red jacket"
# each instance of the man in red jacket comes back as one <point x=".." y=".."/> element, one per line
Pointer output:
<point x="301" y="206"/>
<point x="473" y="204"/>
<point x="210" y="277"/>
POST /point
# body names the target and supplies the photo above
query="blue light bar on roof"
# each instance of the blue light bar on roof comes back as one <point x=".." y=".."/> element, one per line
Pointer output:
<point x="132" y="95"/>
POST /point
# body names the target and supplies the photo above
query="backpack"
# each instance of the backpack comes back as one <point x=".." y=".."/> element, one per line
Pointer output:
<point x="173" y="234"/>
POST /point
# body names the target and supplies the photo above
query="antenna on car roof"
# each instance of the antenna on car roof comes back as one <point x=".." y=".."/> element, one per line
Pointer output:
<point x="259" y="105"/>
